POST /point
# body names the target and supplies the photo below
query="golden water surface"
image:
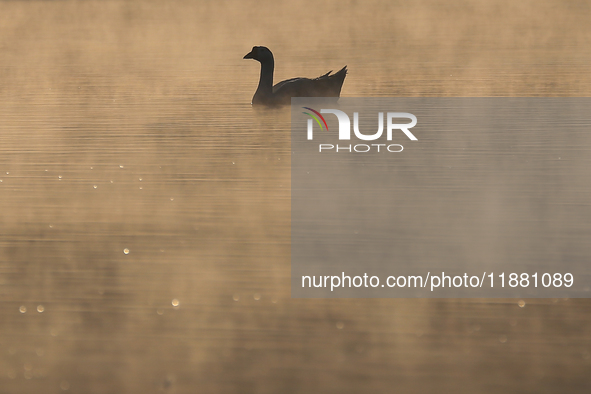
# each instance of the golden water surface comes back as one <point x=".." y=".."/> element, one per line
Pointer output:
<point x="145" y="205"/>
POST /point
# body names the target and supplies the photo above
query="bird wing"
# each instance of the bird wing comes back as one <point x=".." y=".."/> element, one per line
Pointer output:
<point x="326" y="85"/>
<point x="290" y="84"/>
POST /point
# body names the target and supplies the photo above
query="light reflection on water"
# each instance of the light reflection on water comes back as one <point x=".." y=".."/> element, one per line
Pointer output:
<point x="107" y="93"/>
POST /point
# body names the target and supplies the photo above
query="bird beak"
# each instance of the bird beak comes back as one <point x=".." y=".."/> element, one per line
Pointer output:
<point x="249" y="55"/>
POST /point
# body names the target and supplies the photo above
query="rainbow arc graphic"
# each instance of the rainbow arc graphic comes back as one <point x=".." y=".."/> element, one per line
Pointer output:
<point x="315" y="117"/>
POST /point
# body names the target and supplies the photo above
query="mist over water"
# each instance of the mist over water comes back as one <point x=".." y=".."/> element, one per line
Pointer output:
<point x="145" y="221"/>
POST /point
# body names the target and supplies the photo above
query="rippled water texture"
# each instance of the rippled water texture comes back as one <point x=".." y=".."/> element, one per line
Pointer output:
<point x="145" y="205"/>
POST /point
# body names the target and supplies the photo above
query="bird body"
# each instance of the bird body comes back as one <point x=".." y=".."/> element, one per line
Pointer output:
<point x="327" y="85"/>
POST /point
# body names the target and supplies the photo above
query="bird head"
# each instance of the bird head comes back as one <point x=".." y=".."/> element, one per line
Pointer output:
<point x="260" y="54"/>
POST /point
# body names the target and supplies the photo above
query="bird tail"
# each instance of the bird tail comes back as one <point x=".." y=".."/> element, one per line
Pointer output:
<point x="341" y="73"/>
<point x="337" y="79"/>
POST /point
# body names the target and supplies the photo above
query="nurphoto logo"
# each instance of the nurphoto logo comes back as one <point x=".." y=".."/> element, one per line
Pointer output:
<point x="345" y="130"/>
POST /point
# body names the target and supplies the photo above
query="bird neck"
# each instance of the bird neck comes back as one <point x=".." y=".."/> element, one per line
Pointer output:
<point x="266" y="80"/>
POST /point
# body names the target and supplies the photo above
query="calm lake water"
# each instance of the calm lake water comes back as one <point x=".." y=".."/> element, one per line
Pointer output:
<point x="145" y="222"/>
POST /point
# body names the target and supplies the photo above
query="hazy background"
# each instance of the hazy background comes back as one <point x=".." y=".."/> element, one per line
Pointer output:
<point x="127" y="127"/>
